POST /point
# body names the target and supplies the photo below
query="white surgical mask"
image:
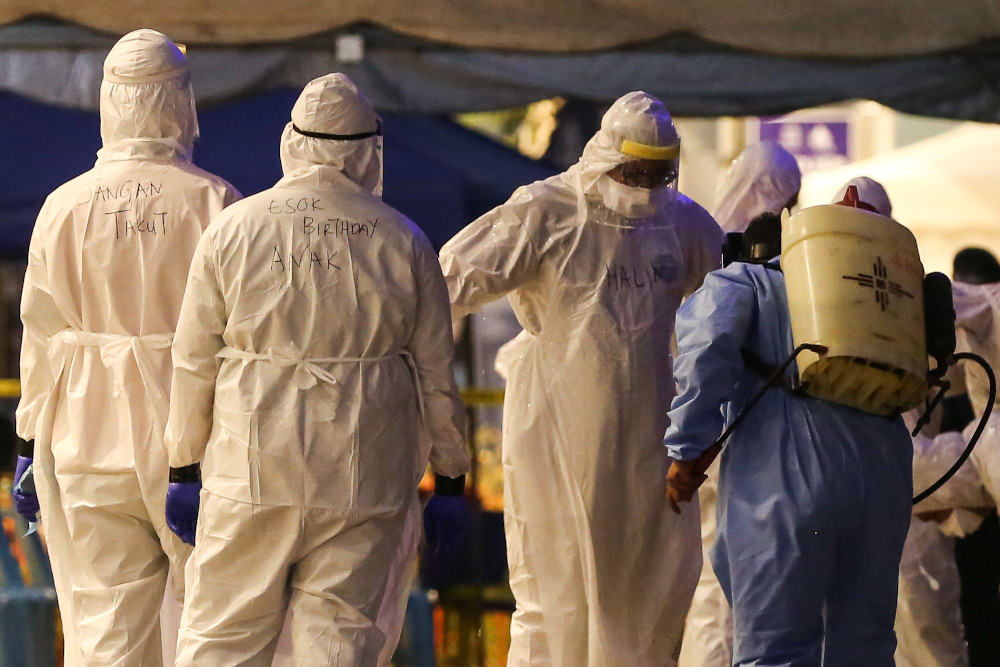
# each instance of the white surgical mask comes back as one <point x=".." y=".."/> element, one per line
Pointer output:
<point x="633" y="202"/>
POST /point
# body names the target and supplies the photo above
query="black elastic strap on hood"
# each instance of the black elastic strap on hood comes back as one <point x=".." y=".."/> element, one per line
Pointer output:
<point x="341" y="137"/>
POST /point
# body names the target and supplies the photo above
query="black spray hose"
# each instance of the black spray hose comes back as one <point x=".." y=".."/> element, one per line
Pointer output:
<point x="979" y="430"/>
<point x="709" y="455"/>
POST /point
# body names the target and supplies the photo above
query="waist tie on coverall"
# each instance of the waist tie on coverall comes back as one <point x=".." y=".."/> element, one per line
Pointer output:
<point x="115" y="351"/>
<point x="309" y="371"/>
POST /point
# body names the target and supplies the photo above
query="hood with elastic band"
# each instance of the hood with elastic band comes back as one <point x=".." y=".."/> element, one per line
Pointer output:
<point x="147" y="104"/>
<point x="334" y="125"/>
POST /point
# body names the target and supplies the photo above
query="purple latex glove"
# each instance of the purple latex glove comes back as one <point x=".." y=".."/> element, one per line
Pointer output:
<point x="25" y="500"/>
<point x="446" y="520"/>
<point x="182" y="509"/>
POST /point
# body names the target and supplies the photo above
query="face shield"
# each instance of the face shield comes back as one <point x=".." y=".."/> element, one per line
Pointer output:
<point x="631" y="165"/>
<point x="146" y="95"/>
<point x="333" y="124"/>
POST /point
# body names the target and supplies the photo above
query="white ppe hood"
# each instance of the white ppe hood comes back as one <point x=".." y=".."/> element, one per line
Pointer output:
<point x="977" y="310"/>
<point x="870" y="192"/>
<point x="763" y="179"/>
<point x="636" y="126"/>
<point x="329" y="107"/>
<point x="146" y="97"/>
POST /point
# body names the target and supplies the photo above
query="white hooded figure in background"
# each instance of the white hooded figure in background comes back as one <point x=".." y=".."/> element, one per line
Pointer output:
<point x="106" y="272"/>
<point x="312" y="383"/>
<point x="929" y="628"/>
<point x="928" y="622"/>
<point x="978" y="311"/>
<point x="976" y="292"/>
<point x="764" y="178"/>
<point x="870" y="191"/>
<point x="595" y="261"/>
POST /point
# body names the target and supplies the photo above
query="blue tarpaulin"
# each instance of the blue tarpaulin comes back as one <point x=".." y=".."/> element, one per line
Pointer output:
<point x="438" y="173"/>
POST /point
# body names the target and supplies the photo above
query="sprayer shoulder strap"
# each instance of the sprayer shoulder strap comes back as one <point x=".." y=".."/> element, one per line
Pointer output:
<point x="764" y="371"/>
<point x="774" y="266"/>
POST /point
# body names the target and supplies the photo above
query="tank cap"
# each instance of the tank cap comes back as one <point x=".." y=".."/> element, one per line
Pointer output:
<point x="852" y="199"/>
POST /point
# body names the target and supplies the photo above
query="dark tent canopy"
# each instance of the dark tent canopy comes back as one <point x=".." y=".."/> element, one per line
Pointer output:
<point x="751" y="73"/>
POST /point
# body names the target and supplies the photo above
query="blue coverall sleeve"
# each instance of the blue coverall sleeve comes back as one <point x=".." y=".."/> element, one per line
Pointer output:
<point x="712" y="326"/>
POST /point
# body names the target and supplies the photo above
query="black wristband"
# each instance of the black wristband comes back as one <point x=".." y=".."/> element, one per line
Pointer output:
<point x="449" y="486"/>
<point x="26" y="448"/>
<point x="191" y="473"/>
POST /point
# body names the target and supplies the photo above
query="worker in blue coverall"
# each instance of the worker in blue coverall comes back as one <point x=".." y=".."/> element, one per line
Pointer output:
<point x="814" y="497"/>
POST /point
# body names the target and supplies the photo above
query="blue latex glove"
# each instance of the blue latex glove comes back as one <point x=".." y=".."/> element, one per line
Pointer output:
<point x="446" y="520"/>
<point x="183" y="499"/>
<point x="25" y="500"/>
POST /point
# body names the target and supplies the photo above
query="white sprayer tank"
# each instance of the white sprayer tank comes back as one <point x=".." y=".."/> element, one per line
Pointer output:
<point x="855" y="285"/>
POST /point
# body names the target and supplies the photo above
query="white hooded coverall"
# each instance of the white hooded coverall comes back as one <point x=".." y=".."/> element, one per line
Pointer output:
<point x="601" y="569"/>
<point x="929" y="630"/>
<point x="977" y="308"/>
<point x="106" y="271"/>
<point x="763" y="179"/>
<point x="312" y="381"/>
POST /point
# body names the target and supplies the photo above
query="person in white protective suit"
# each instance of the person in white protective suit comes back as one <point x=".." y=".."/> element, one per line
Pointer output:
<point x="765" y="178"/>
<point x="595" y="261"/>
<point x="312" y="382"/>
<point x="976" y="294"/>
<point x="977" y="307"/>
<point x="106" y="271"/>
<point x="929" y="628"/>
<point x="977" y="304"/>
<point x="929" y="619"/>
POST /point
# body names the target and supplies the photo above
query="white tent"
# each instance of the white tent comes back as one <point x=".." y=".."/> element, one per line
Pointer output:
<point x="945" y="189"/>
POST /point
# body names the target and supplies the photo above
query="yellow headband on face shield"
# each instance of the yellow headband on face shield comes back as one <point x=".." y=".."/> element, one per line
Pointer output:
<point x="635" y="149"/>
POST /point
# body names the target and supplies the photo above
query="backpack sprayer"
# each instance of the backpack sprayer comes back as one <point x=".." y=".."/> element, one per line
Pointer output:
<point x="864" y="320"/>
